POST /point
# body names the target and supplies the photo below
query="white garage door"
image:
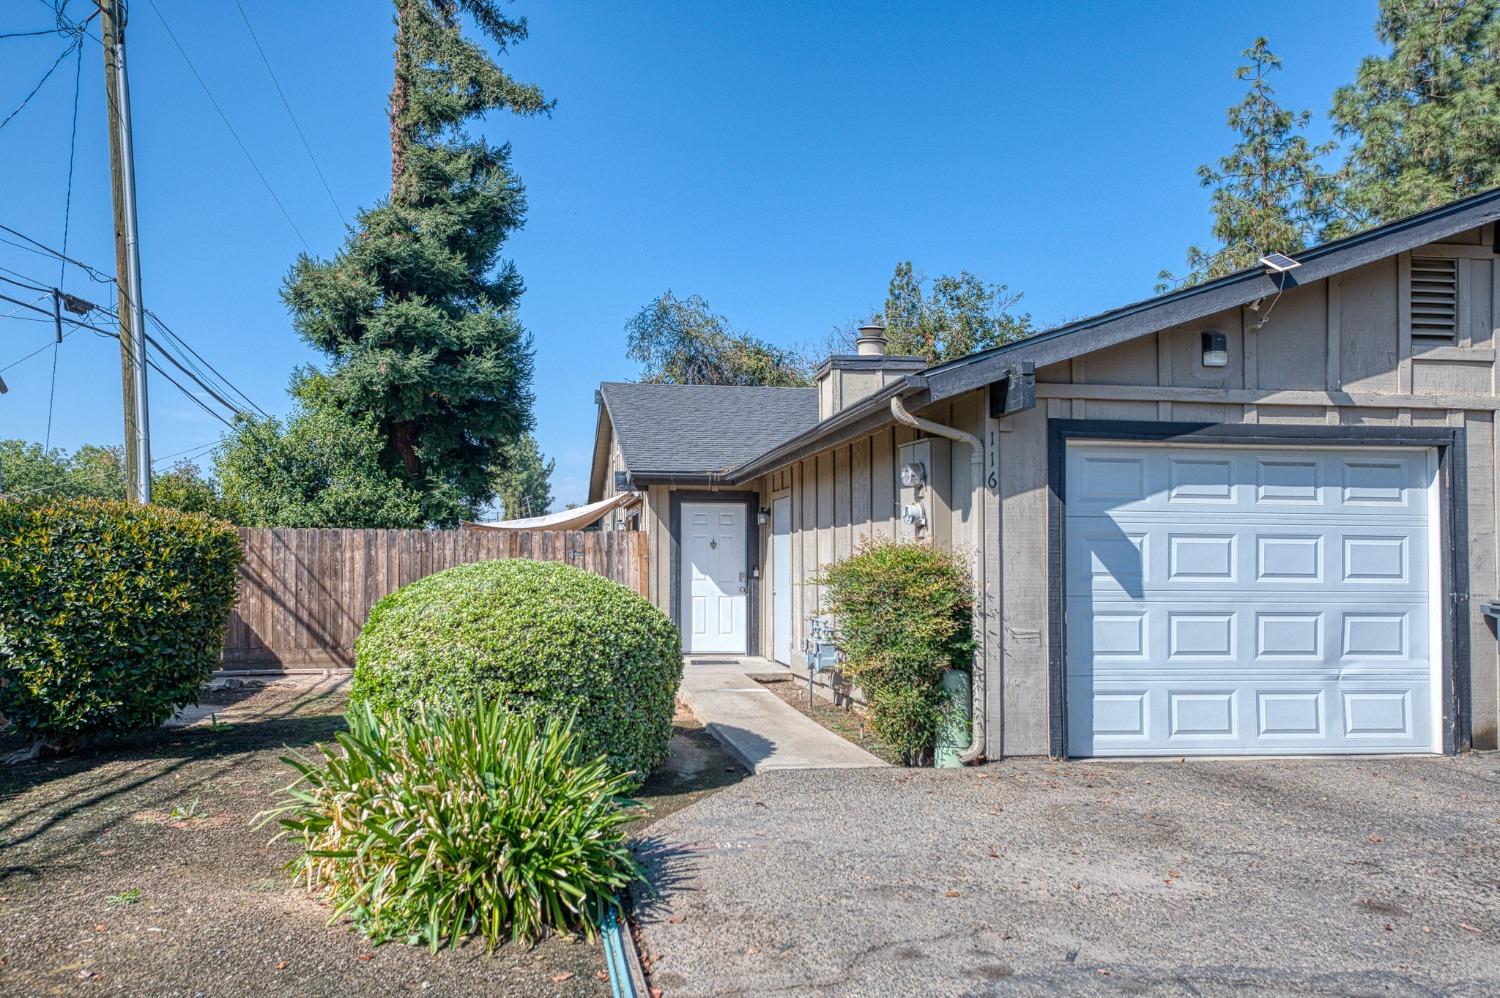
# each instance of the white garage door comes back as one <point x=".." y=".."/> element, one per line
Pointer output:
<point x="1234" y="600"/>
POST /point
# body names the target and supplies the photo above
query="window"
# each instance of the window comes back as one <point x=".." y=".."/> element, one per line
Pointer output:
<point x="1434" y="299"/>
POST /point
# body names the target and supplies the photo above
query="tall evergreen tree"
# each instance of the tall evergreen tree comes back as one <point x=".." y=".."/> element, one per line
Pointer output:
<point x="955" y="316"/>
<point x="417" y="311"/>
<point x="1269" y="193"/>
<point x="524" y="487"/>
<point x="1424" y="119"/>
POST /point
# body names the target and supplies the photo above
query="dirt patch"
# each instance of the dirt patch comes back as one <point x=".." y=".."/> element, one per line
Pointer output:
<point x="697" y="766"/>
<point x="133" y="869"/>
<point x="846" y="722"/>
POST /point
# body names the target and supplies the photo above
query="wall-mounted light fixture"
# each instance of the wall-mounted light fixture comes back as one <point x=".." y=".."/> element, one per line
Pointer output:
<point x="1215" y="349"/>
<point x="763" y="516"/>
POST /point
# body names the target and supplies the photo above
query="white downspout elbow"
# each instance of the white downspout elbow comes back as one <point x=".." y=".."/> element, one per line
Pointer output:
<point x="976" y="478"/>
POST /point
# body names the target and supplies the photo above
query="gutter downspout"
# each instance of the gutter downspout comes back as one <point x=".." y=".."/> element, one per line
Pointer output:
<point x="976" y="480"/>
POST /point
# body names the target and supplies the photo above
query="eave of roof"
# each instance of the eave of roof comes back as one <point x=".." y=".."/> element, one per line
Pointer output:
<point x="1189" y="304"/>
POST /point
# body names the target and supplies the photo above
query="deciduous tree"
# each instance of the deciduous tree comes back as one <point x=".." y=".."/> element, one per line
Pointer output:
<point x="955" y="316"/>
<point x="322" y="467"/>
<point x="683" y="341"/>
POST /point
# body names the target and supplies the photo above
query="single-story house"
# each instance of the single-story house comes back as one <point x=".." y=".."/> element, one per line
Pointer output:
<point x="1252" y="516"/>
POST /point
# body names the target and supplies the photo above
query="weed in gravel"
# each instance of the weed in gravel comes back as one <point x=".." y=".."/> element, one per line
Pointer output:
<point x="189" y="812"/>
<point x="129" y="895"/>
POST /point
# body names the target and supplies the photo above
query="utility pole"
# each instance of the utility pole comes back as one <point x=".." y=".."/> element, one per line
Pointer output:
<point x="127" y="255"/>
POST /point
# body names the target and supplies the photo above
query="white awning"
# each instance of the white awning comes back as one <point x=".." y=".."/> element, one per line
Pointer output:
<point x="569" y="519"/>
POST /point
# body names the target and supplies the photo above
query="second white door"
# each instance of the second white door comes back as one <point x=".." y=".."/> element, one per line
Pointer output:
<point x="781" y="579"/>
<point x="714" y="582"/>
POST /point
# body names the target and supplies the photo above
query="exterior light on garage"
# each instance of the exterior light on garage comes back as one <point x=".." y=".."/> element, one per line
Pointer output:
<point x="763" y="516"/>
<point x="1215" y="349"/>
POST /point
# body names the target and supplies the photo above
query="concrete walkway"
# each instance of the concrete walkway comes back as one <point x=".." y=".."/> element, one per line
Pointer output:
<point x="756" y="726"/>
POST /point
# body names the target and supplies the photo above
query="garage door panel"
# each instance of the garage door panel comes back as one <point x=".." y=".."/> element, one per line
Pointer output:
<point x="1247" y="600"/>
<point x="1248" y="558"/>
<point x="1347" y="635"/>
<point x="1272" y="715"/>
<point x="1134" y="481"/>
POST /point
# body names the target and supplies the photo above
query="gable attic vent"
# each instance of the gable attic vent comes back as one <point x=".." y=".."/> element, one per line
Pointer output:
<point x="1434" y="297"/>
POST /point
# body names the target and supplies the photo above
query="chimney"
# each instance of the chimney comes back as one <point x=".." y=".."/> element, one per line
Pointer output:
<point x="844" y="379"/>
<point x="871" y="340"/>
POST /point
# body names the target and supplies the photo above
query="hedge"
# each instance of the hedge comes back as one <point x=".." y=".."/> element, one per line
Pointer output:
<point x="111" y="615"/>
<point x="545" y="639"/>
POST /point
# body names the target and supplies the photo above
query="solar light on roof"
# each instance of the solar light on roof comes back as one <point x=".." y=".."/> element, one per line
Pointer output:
<point x="1278" y="263"/>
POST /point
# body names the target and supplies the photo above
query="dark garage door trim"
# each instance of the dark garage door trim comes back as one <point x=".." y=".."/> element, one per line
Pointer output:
<point x="1453" y="536"/>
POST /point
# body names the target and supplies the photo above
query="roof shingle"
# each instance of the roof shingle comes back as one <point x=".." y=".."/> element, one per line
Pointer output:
<point x="701" y="428"/>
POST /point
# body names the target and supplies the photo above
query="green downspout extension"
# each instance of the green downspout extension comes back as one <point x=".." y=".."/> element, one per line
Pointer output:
<point x="957" y="726"/>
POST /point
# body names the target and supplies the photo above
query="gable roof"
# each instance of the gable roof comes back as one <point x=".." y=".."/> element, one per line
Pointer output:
<point x="683" y="432"/>
<point x="1201" y="300"/>
<point x="718" y="433"/>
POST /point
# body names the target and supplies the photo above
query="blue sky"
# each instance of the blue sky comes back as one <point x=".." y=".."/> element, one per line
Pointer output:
<point x="776" y="158"/>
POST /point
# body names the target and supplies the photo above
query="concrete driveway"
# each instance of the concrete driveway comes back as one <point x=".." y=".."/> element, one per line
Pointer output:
<point x="1348" y="876"/>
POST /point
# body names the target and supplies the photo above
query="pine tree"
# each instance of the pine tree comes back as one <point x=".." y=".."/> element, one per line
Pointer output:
<point x="416" y="311"/>
<point x="956" y="316"/>
<point x="1425" y="117"/>
<point x="524" y="487"/>
<point x="1269" y="192"/>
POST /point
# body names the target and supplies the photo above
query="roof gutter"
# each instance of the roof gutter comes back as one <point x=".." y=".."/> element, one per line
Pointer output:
<point x="975" y="751"/>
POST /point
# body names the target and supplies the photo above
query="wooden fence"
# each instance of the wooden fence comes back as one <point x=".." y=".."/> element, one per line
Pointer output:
<point x="305" y="594"/>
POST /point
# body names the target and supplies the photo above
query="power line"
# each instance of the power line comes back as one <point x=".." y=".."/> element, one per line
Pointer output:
<point x="62" y="272"/>
<point x="179" y="341"/>
<point x="151" y="362"/>
<point x="29" y="34"/>
<point x="195" y="399"/>
<point x="186" y="454"/>
<point x="225" y="118"/>
<point x="223" y="387"/>
<point x="42" y="82"/>
<point x="44" y="250"/>
<point x="66" y="25"/>
<point x="40" y="349"/>
<point x="287" y="104"/>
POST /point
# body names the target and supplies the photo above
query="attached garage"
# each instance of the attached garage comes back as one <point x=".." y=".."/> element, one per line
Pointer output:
<point x="1251" y="598"/>
<point x="1254" y="516"/>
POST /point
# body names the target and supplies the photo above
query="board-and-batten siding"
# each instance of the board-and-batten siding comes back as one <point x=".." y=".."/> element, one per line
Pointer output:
<point x="845" y="497"/>
<point x="1335" y="352"/>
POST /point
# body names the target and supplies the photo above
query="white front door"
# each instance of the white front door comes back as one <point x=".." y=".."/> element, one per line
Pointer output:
<point x="714" y="584"/>
<point x="781" y="579"/>
<point x="1245" y="600"/>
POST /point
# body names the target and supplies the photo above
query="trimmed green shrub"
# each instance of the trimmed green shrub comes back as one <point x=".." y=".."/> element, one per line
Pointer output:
<point x="433" y="827"/>
<point x="111" y="614"/>
<point x="544" y="639"/>
<point x="904" y="615"/>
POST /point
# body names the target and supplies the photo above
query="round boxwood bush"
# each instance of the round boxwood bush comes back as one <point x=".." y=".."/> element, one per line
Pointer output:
<point x="545" y="639"/>
<point x="111" y="614"/>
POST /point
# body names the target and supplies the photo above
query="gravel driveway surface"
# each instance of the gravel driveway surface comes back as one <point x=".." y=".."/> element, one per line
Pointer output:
<point x="1347" y="876"/>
